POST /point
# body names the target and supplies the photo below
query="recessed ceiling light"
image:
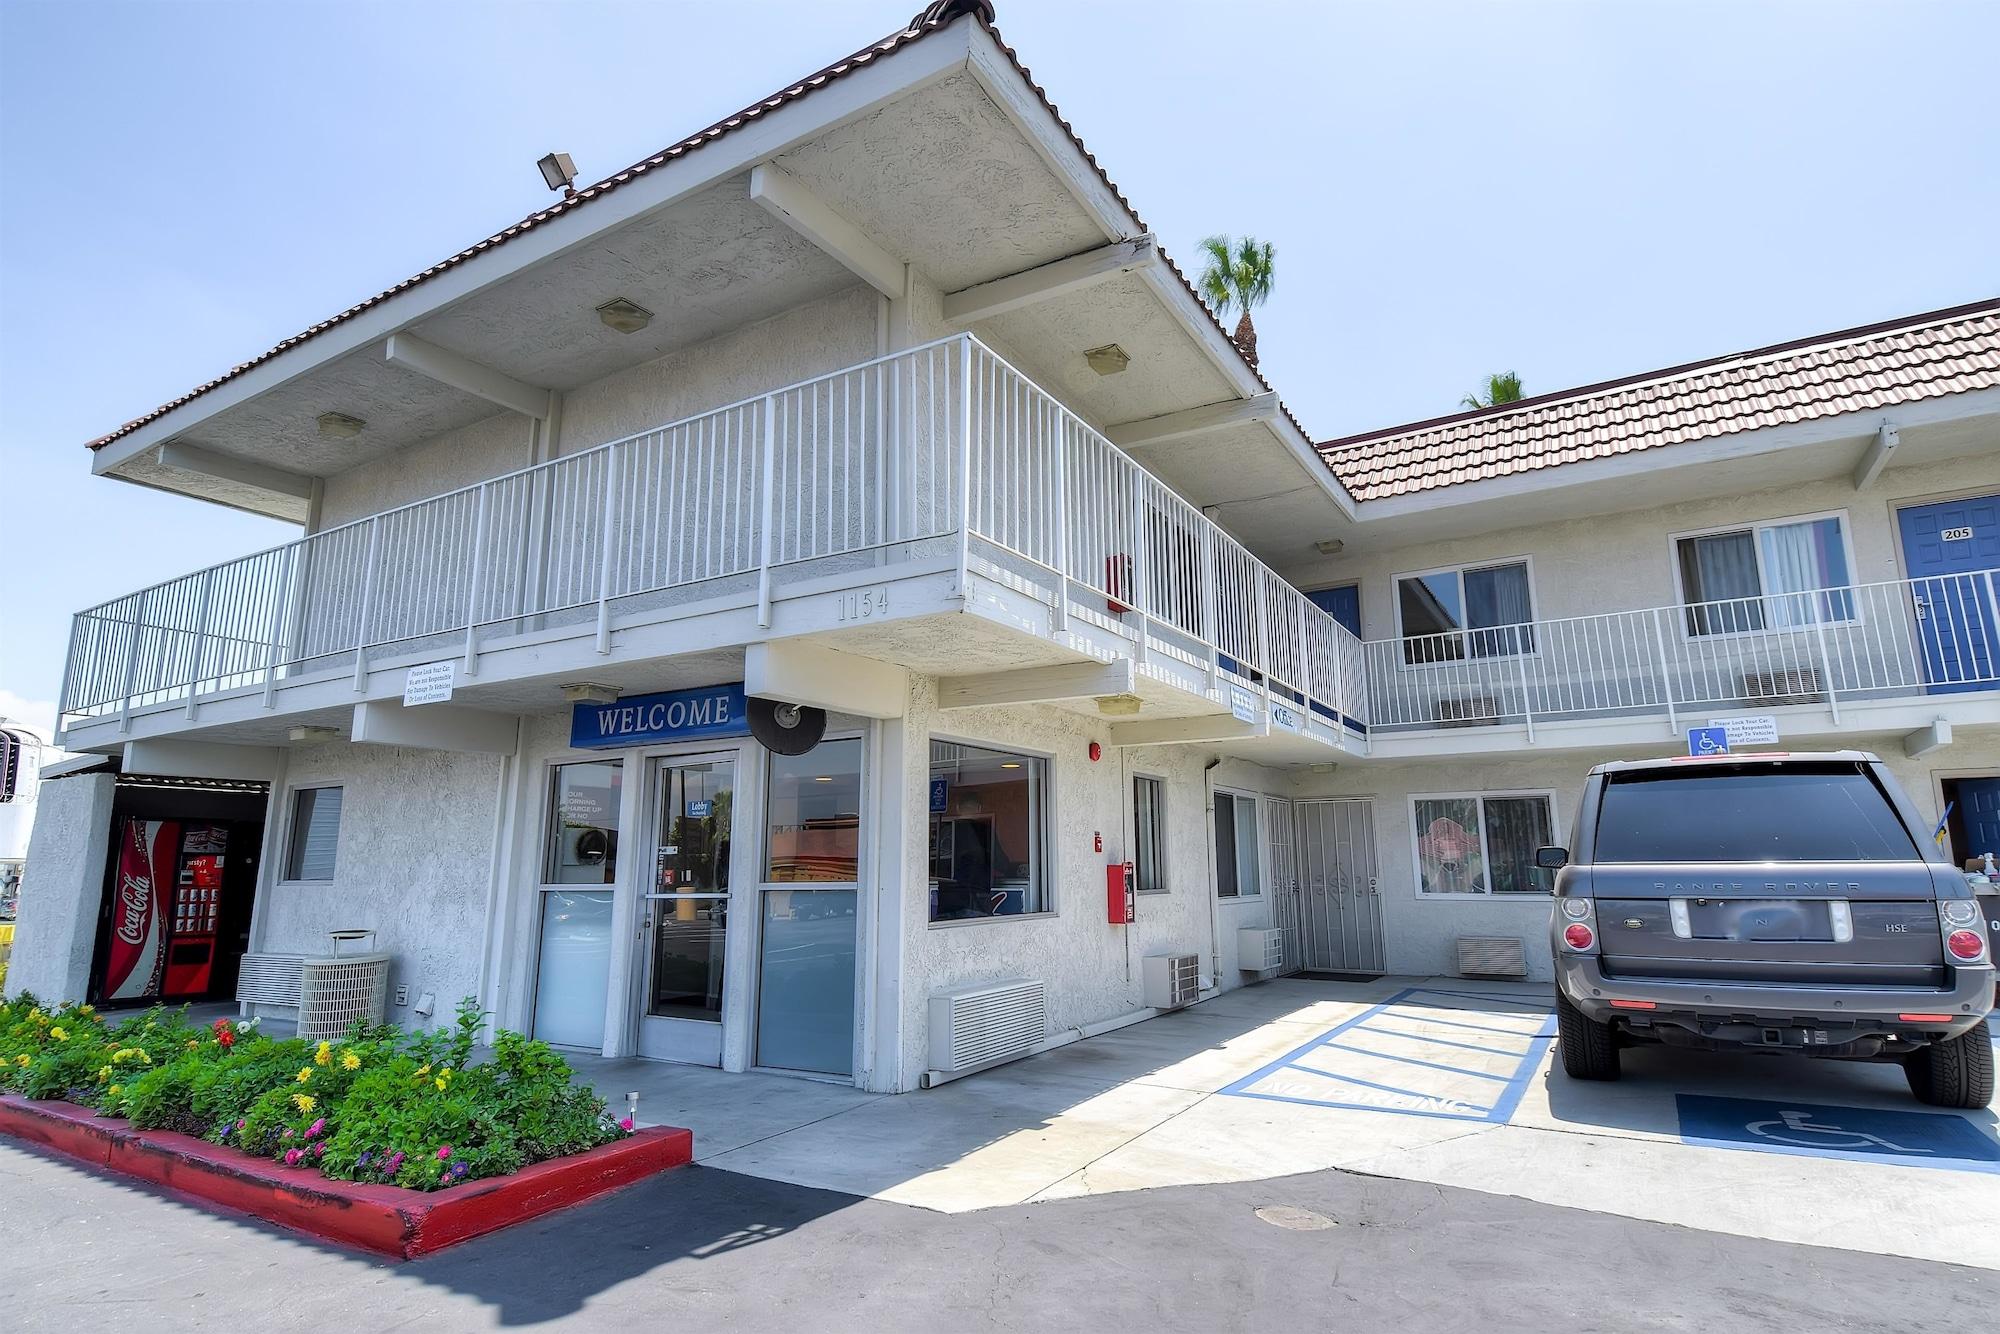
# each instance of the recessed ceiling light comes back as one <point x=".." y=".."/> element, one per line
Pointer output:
<point x="1110" y="359"/>
<point x="339" y="426"/>
<point x="1010" y="764"/>
<point x="823" y="778"/>
<point x="624" y="315"/>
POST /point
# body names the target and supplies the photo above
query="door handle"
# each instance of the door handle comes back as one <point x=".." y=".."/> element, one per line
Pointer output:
<point x="1922" y="605"/>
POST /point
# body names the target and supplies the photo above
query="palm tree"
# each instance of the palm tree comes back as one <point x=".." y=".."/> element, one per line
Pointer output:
<point x="1238" y="276"/>
<point x="1502" y="388"/>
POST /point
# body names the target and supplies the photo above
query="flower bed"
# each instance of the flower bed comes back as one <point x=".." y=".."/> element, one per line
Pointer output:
<point x="382" y="1105"/>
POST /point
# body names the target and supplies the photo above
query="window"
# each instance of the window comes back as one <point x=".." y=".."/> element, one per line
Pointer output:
<point x="986" y="833"/>
<point x="1776" y="575"/>
<point x="1482" y="844"/>
<point x="1149" y="834"/>
<point x="315" y="833"/>
<point x="1803" y="812"/>
<point x="1236" y="846"/>
<point x="814" y="816"/>
<point x="581" y="843"/>
<point x="1473" y="612"/>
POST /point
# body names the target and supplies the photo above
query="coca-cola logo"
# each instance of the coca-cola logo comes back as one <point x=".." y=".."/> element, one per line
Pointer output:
<point x="135" y="896"/>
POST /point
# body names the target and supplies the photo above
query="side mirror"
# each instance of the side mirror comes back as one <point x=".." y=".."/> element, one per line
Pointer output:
<point x="1551" y="858"/>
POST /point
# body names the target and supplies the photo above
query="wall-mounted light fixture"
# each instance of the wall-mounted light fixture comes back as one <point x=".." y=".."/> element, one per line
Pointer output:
<point x="560" y="173"/>
<point x="589" y="692"/>
<point x="339" y="426"/>
<point x="624" y="315"/>
<point x="1332" y="546"/>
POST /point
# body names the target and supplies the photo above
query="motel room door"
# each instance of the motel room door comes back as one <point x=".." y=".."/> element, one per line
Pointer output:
<point x="1951" y="551"/>
<point x="1340" y="920"/>
<point x="684" y="908"/>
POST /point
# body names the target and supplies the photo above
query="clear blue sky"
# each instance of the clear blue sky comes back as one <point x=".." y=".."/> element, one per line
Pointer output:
<point x="1571" y="191"/>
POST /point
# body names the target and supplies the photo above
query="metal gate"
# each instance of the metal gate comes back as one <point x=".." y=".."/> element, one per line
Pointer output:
<point x="1337" y="906"/>
<point x="1281" y="878"/>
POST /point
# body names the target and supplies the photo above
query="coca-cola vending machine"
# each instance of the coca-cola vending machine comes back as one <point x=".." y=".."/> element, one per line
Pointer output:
<point x="165" y="908"/>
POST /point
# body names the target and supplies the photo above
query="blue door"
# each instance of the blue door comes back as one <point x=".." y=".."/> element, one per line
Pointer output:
<point x="1950" y="550"/>
<point x="1977" y="803"/>
<point x="1343" y="604"/>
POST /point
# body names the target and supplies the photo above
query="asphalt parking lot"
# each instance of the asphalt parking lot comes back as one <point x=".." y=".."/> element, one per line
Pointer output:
<point x="1434" y="1080"/>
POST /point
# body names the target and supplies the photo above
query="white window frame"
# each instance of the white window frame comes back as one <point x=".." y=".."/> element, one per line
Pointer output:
<point x="1046" y="849"/>
<point x="292" y="830"/>
<point x="1487" y="895"/>
<point x="1396" y="611"/>
<point x="1256" y="799"/>
<point x="1160" y="841"/>
<point x="1754" y="527"/>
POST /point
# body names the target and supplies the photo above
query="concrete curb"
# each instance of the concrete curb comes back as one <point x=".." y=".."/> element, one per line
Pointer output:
<point x="387" y="1220"/>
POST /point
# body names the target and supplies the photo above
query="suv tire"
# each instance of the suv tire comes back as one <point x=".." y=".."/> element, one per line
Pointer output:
<point x="1590" y="1049"/>
<point x="1957" y="1072"/>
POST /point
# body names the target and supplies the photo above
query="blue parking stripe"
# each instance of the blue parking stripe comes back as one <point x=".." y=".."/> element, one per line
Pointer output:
<point x="1381" y="1088"/>
<point x="1445" y="1042"/>
<point x="1411" y="1060"/>
<point x="1477" y="1028"/>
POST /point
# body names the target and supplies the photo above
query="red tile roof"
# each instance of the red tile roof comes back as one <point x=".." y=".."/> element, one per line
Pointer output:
<point x="1876" y="366"/>
<point x="935" y="17"/>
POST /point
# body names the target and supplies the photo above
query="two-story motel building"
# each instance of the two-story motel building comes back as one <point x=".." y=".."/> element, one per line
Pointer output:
<point x="878" y="398"/>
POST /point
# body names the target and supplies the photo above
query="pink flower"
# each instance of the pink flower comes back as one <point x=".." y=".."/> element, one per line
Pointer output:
<point x="626" y="1124"/>
<point x="314" y="1130"/>
<point x="292" y="1157"/>
<point x="444" y="1152"/>
<point x="287" y="1134"/>
<point x="239" y="1125"/>
<point x="319" y="1150"/>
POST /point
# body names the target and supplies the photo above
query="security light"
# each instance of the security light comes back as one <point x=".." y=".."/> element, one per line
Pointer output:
<point x="1333" y="546"/>
<point x="624" y="315"/>
<point x="1110" y="359"/>
<point x="560" y="173"/>
<point x="589" y="692"/>
<point x="339" y="426"/>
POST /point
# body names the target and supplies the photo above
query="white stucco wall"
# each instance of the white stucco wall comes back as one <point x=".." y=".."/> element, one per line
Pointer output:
<point x="413" y="864"/>
<point x="1419" y="930"/>
<point x="1625" y="561"/>
<point x="1091" y="969"/>
<point x="57" y="927"/>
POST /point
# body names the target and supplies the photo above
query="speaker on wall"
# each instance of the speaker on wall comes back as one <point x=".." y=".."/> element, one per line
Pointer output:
<point x="788" y="729"/>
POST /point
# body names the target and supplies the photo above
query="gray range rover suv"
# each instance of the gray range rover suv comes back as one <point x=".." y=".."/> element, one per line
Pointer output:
<point x="1783" y="903"/>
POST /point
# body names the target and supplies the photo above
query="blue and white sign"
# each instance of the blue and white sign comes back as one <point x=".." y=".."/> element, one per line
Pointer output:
<point x="1708" y="741"/>
<point x="675" y="715"/>
<point x="700" y="810"/>
<point x="940" y="795"/>
<point x="1242" y="704"/>
<point x="1286" y="718"/>
<point x="1915" y="1139"/>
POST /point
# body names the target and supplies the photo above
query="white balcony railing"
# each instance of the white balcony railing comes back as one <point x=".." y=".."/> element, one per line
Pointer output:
<point x="942" y="451"/>
<point x="1838" y="645"/>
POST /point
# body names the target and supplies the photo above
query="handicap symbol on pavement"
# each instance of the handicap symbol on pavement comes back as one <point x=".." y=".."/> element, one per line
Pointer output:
<point x="1917" y="1139"/>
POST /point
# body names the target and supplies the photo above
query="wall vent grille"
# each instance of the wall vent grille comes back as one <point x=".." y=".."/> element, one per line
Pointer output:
<point x="270" y="979"/>
<point x="1492" y="956"/>
<point x="985" y="1024"/>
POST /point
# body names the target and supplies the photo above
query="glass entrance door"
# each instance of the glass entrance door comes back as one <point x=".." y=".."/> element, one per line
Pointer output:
<point x="684" y="914"/>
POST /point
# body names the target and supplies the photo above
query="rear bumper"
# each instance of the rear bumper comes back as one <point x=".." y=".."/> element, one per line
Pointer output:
<point x="1862" y="1011"/>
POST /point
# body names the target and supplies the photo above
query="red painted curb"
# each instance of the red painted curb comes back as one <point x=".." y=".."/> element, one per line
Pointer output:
<point x="387" y="1220"/>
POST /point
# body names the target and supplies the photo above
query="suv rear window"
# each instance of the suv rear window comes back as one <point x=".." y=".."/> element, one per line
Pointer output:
<point x="1727" y="813"/>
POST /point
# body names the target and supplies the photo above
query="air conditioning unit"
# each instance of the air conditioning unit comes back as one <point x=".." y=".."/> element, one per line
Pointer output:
<point x="336" y="993"/>
<point x="1260" y="949"/>
<point x="1787" y="685"/>
<point x="1171" y="980"/>
<point x="1492" y="956"/>
<point x="270" y="979"/>
<point x="986" y="1024"/>
<point x="1466" y="711"/>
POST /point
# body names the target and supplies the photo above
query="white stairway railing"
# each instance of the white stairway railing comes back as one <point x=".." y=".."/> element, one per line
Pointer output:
<point x="859" y="469"/>
<point x="1833" y="646"/>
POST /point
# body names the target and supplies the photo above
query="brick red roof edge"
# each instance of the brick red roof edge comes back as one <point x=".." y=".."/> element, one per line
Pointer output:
<point x="933" y="18"/>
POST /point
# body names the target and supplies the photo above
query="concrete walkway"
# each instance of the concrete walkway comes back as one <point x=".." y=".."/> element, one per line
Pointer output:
<point x="1435" y="1080"/>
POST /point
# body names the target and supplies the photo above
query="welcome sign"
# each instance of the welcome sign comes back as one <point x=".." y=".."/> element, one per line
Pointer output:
<point x="674" y="715"/>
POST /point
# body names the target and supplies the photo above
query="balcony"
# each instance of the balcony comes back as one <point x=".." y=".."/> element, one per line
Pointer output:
<point x="940" y="471"/>
<point x="941" y="483"/>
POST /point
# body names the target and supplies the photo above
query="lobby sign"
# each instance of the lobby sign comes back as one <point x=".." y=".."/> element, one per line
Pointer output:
<point x="674" y="715"/>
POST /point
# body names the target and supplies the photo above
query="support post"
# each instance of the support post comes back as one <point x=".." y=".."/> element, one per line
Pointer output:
<point x="200" y="637"/>
<point x="281" y="605"/>
<point x="1061" y="621"/>
<point x="611" y="457"/>
<point x="1666" y="675"/>
<point x="367" y="604"/>
<point x="1825" y="661"/>
<point x="965" y="468"/>
<point x="1521" y="666"/>
<point x="132" y="662"/>
<point x="1211" y="603"/>
<point x="472" y="588"/>
<point x="768" y="484"/>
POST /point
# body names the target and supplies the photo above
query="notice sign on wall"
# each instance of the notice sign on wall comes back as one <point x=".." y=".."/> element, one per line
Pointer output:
<point x="430" y="683"/>
<point x="1749" y="731"/>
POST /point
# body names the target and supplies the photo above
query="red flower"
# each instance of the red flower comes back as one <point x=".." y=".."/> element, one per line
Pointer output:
<point x="225" y="1032"/>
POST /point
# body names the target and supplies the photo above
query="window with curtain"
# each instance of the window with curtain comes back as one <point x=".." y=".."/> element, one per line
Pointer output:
<point x="1768" y="576"/>
<point x="1476" y="611"/>
<point x="1149" y="834"/>
<point x="1482" y="844"/>
<point x="315" y="834"/>
<point x="1236" y="846"/>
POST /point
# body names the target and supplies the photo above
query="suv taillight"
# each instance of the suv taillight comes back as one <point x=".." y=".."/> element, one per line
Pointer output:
<point x="1965" y="946"/>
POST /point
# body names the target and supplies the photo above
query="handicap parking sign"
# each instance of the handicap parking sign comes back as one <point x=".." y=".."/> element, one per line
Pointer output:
<point x="1916" y="1139"/>
<point x="1708" y="741"/>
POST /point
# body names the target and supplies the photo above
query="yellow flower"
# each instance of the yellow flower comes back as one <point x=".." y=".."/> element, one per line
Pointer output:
<point x="423" y="1069"/>
<point x="303" y="1101"/>
<point x="59" y="1033"/>
<point x="86" y="1009"/>
<point x="35" y="1013"/>
<point x="143" y="1055"/>
<point x="349" y="1061"/>
<point x="115" y="1090"/>
<point x="323" y="1056"/>
<point x="441" y="1081"/>
<point x="22" y="1059"/>
<point x="305" y="1075"/>
<point x="193" y="1043"/>
<point x="104" y="1074"/>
